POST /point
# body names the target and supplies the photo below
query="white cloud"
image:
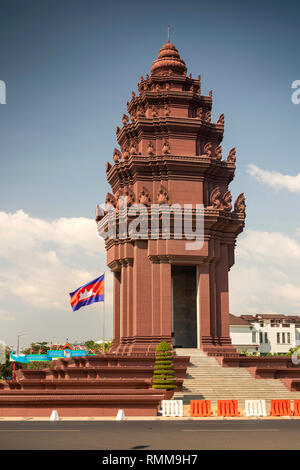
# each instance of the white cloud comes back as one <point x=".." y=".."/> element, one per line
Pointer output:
<point x="5" y="315"/>
<point x="42" y="261"/>
<point x="265" y="275"/>
<point x="272" y="246"/>
<point x="275" y="179"/>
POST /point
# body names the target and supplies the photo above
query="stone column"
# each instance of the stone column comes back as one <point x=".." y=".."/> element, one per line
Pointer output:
<point x="165" y="299"/>
<point x="116" y="300"/>
<point x="124" y="301"/>
<point x="155" y="297"/>
<point x="130" y="298"/>
<point x="204" y="299"/>
<point x="223" y="293"/>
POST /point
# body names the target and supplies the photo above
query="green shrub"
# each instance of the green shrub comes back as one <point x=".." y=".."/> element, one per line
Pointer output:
<point x="164" y="374"/>
<point x="36" y="365"/>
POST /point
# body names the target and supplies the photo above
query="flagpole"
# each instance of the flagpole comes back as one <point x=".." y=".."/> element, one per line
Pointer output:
<point x="103" y="320"/>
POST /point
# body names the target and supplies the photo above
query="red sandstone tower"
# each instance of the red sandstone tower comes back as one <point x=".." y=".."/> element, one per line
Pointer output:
<point x="170" y="153"/>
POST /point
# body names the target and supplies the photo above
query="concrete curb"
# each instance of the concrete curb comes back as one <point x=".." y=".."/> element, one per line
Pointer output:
<point x="152" y="418"/>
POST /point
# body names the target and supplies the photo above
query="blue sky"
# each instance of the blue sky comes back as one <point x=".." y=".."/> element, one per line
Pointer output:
<point x="69" y="67"/>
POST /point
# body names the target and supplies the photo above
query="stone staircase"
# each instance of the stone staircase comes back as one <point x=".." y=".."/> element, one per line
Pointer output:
<point x="206" y="379"/>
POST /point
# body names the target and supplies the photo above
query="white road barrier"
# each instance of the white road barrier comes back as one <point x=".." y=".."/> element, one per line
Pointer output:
<point x="54" y="416"/>
<point x="120" y="415"/>
<point x="255" y="408"/>
<point x="172" y="408"/>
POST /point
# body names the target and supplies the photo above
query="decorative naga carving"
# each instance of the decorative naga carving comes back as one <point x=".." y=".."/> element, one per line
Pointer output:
<point x="231" y="156"/>
<point x="133" y="94"/>
<point x="125" y="119"/>
<point x="110" y="201"/>
<point x="199" y="113"/>
<point x="117" y="130"/>
<point x="116" y="155"/>
<point x="227" y="198"/>
<point x="150" y="149"/>
<point x="239" y="205"/>
<point x="210" y="93"/>
<point x="221" y="120"/>
<point x="218" y="152"/>
<point x="166" y="147"/>
<point x="207" y="150"/>
<point x="108" y="166"/>
<point x="162" y="197"/>
<point x="215" y="198"/>
<point x="144" y="197"/>
<point x="207" y="116"/>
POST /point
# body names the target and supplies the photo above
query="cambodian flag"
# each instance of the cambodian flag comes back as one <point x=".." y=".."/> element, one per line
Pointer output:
<point x="88" y="294"/>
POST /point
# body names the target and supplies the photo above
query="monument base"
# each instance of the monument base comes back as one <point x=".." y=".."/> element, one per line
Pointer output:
<point x="88" y="386"/>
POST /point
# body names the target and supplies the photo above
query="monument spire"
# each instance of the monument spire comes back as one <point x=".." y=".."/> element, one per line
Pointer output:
<point x="171" y="153"/>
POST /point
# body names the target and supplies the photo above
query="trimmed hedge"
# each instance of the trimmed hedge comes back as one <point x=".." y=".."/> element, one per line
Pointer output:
<point x="164" y="374"/>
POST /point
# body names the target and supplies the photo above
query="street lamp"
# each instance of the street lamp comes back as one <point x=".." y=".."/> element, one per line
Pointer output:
<point x="19" y="336"/>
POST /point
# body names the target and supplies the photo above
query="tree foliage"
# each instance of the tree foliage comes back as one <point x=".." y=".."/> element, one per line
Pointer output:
<point x="6" y="368"/>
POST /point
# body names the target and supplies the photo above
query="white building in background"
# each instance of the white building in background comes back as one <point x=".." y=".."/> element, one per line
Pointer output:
<point x="243" y="335"/>
<point x="265" y="333"/>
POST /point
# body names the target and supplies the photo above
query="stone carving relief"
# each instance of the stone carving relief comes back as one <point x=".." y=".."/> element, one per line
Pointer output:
<point x="166" y="147"/>
<point x="227" y="198"/>
<point x="162" y="196"/>
<point x="144" y="196"/>
<point x="215" y="198"/>
<point x="130" y="196"/>
<point x="239" y="205"/>
<point x="140" y="111"/>
<point x="110" y="201"/>
<point x="199" y="113"/>
<point x="208" y="116"/>
<point x="231" y="156"/>
<point x="150" y="148"/>
<point x="108" y="166"/>
<point x="133" y="148"/>
<point x="125" y="154"/>
<point x="221" y="120"/>
<point x="116" y="155"/>
<point x="166" y="110"/>
<point x="218" y="153"/>
<point x="125" y="119"/>
<point x="207" y="150"/>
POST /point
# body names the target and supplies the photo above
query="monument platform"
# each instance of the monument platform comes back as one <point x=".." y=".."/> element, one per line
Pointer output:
<point x="88" y="386"/>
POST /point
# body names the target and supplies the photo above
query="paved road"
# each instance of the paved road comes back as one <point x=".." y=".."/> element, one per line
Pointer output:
<point x="149" y="435"/>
